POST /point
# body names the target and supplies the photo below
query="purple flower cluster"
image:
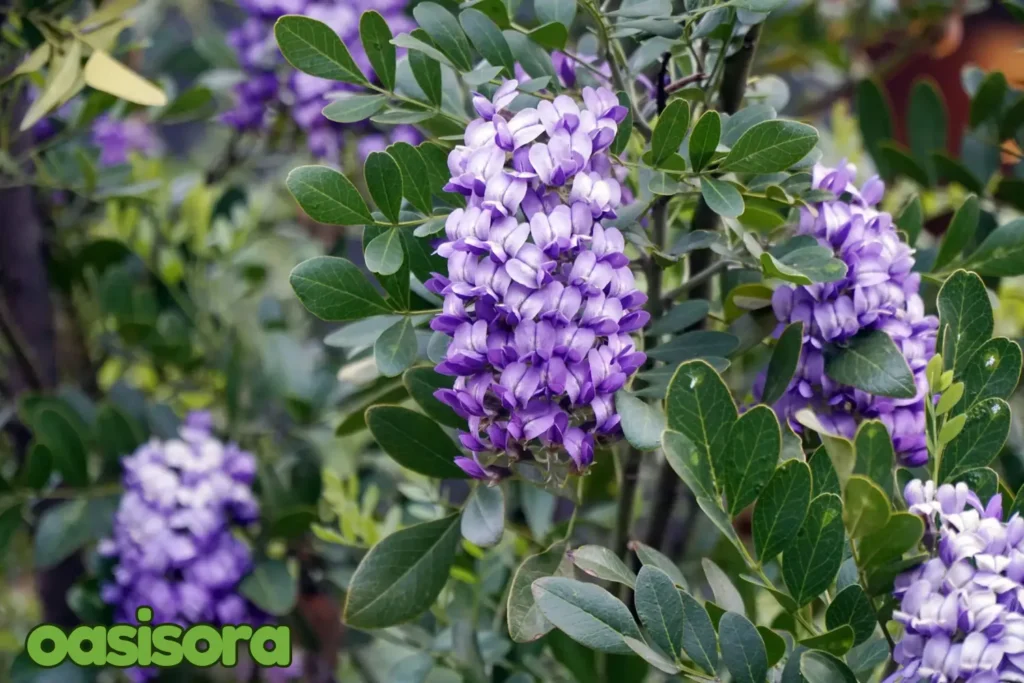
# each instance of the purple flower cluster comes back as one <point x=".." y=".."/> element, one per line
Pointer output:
<point x="173" y="545"/>
<point x="307" y="95"/>
<point x="962" y="609"/>
<point x="117" y="138"/>
<point x="879" y="292"/>
<point x="539" y="297"/>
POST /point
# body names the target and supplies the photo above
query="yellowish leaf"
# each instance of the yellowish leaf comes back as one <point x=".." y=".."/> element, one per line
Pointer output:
<point x="35" y="61"/>
<point x="105" y="37"/>
<point x="105" y="73"/>
<point x="108" y="11"/>
<point x="62" y="80"/>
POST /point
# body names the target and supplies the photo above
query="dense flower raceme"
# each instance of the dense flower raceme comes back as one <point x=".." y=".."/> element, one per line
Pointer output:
<point x="539" y="297"/>
<point x="173" y="543"/>
<point x="306" y="95"/>
<point x="962" y="609"/>
<point x="117" y="138"/>
<point x="879" y="292"/>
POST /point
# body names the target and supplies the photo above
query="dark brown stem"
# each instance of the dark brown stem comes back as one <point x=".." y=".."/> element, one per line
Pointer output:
<point x="685" y="81"/>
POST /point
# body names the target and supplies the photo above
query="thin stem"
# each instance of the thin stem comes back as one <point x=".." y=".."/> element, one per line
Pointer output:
<point x="461" y="120"/>
<point x="22" y="351"/>
<point x="696" y="281"/>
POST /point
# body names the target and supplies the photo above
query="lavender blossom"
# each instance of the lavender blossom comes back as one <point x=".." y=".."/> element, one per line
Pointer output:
<point x="117" y="138"/>
<point x="539" y="297"/>
<point x="879" y="292"/>
<point x="962" y="609"/>
<point x="173" y="545"/>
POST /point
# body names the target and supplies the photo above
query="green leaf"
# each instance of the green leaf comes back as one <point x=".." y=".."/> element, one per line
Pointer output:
<point x="951" y="170"/>
<point x="742" y="649"/>
<point x="988" y="100"/>
<point x="752" y="449"/>
<point x="652" y="656"/>
<point x="696" y="344"/>
<point x="1002" y="252"/>
<point x="901" y="533"/>
<point x="415" y="179"/>
<point x="781" y="597"/>
<point x="488" y="40"/>
<point x="743" y="120"/>
<point x="961" y="228"/>
<point x="11" y="519"/>
<point x="333" y="289"/>
<point x="865" y="507"/>
<point x="443" y="28"/>
<point x="872" y="362"/>
<point x="353" y="108"/>
<point x="926" y="124"/>
<point x="721" y="196"/>
<point x="836" y="641"/>
<point x="851" y="607"/>
<point x="63" y="76"/>
<point x="402" y="575"/>
<point x="875" y="456"/>
<point x="195" y="103"/>
<point x="992" y="372"/>
<point x="562" y="11"/>
<point x="384" y="181"/>
<point x="312" y="47"/>
<point x="526" y="623"/>
<point x="271" y="587"/>
<point x="911" y="219"/>
<point x="415" y="441"/>
<point x="395" y="349"/>
<point x="783" y="363"/>
<point x="375" y="35"/>
<point x="69" y="453"/>
<point x="821" y="667"/>
<point x="770" y="147"/>
<point x="692" y="465"/>
<point x="700" y="642"/>
<point x="35" y="471"/>
<point x="424" y="64"/>
<point x="650" y="557"/>
<point x="422" y="383"/>
<point x="726" y="595"/>
<point x="531" y="56"/>
<point x="383" y="246"/>
<point x="603" y="564"/>
<point x="704" y="139"/>
<point x="1013" y="120"/>
<point x="642" y="424"/>
<point x="901" y="162"/>
<point x="983" y="436"/>
<point x="965" y="319"/>
<point x="774" y="644"/>
<point x="804" y="266"/>
<point x="681" y="316"/>
<point x="811" y="562"/>
<point x="483" y="518"/>
<point x="781" y="509"/>
<point x="625" y="129"/>
<point x="551" y="35"/>
<point x="700" y="407"/>
<point x="669" y="131"/>
<point x="65" y="528"/>
<point x="384" y="254"/>
<point x="823" y="474"/>
<point x="875" y="118"/>
<point x="588" y="614"/>
<point x="327" y="196"/>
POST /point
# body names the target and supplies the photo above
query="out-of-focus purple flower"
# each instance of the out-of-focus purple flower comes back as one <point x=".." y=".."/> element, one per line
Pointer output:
<point x="879" y="292"/>
<point x="538" y="298"/>
<point x="117" y="138"/>
<point x="962" y="609"/>
<point x="173" y="543"/>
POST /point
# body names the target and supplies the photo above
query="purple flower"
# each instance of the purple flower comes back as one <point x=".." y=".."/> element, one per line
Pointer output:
<point x="879" y="292"/>
<point x="962" y="609"/>
<point x="172" y="544"/>
<point x="538" y="296"/>
<point x="117" y="138"/>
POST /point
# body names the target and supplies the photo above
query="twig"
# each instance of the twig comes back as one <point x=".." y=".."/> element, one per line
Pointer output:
<point x="695" y="282"/>
<point x="685" y="81"/>
<point x="26" y="358"/>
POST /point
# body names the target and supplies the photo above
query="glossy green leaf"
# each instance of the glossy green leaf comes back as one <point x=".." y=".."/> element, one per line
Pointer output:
<point x="823" y="474"/>
<point x="642" y="423"/>
<point x="384" y="251"/>
<point x="562" y="11"/>
<point x="488" y="40"/>
<point x="415" y="180"/>
<point x="926" y="124"/>
<point x="902" y="163"/>
<point x="422" y="383"/>
<point x="70" y="456"/>
<point x="375" y="35"/>
<point x="783" y="363"/>
<point x="532" y="57"/>
<point x="781" y="509"/>
<point x="669" y="131"/>
<point x="526" y="623"/>
<point x="1002" y="252"/>
<point x="327" y="196"/>
<point x="402" y="575"/>
<point x="901" y="533"/>
<point x="960" y="231"/>
<point x="865" y="507"/>
<point x="700" y="407"/>
<point x="695" y="344"/>
<point x="804" y="266"/>
<point x="875" y="118"/>
<point x="384" y="254"/>
<point x="811" y="562"/>
<point x="983" y="436"/>
<point x="354" y="108"/>
<point x="415" y="441"/>
<point x="625" y="129"/>
<point x="384" y="181"/>
<point x="692" y="465"/>
<point x="742" y="649"/>
<point x="965" y="319"/>
<point x="65" y="528"/>
<point x="588" y="614"/>
<point x="335" y="290"/>
<point x="423" y="62"/>
<point x="721" y="196"/>
<point x="395" y="349"/>
<point x="837" y="641"/>
<point x="312" y="47"/>
<point x="771" y="147"/>
<point x="992" y="372"/>
<point x="952" y="170"/>
<point x="751" y="452"/>
<point x="875" y="455"/>
<point x="483" y="518"/>
<point x="911" y="219"/>
<point x="821" y="667"/>
<point x="443" y="28"/>
<point x="852" y="608"/>
<point x="704" y="139"/>
<point x="871" y="361"/>
<point x="682" y="315"/>
<point x="988" y="100"/>
<point x="271" y="587"/>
